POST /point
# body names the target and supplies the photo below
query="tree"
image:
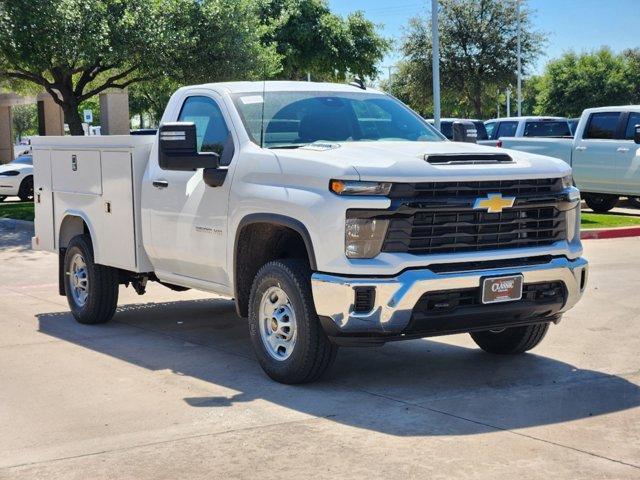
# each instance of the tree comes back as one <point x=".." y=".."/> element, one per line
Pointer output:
<point x="578" y="81"/>
<point x="25" y="121"/>
<point x="312" y="40"/>
<point x="75" y="49"/>
<point x="478" y="45"/>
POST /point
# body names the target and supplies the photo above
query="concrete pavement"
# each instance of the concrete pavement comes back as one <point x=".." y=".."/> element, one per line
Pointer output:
<point x="170" y="389"/>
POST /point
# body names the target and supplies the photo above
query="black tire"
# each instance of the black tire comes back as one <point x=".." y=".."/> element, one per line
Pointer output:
<point x="511" y="341"/>
<point x="102" y="288"/>
<point x="313" y="352"/>
<point x="634" y="202"/>
<point x="25" y="192"/>
<point x="601" y="203"/>
<point x="2" y="197"/>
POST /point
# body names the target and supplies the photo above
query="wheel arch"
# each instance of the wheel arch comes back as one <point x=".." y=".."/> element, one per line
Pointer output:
<point x="73" y="223"/>
<point x="276" y="227"/>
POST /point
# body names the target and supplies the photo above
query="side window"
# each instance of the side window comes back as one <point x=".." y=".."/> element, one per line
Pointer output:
<point x="211" y="129"/>
<point x="490" y="127"/>
<point x="507" y="129"/>
<point x="603" y="125"/>
<point x="634" y="119"/>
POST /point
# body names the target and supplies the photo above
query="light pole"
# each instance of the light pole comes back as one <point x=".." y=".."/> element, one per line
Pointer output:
<point x="435" y="45"/>
<point x="519" y="86"/>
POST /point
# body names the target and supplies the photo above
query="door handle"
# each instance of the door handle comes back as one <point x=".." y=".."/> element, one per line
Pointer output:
<point x="160" y="183"/>
<point x="622" y="150"/>
<point x="580" y="149"/>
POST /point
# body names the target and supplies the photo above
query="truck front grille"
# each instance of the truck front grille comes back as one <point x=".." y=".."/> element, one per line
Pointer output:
<point x="511" y="188"/>
<point x="467" y="230"/>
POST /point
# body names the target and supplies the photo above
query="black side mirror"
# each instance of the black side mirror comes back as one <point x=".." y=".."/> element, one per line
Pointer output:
<point x="178" y="148"/>
<point x="636" y="137"/>
<point x="464" y="132"/>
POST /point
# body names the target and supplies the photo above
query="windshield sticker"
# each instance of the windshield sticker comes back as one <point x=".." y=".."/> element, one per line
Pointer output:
<point x="251" y="99"/>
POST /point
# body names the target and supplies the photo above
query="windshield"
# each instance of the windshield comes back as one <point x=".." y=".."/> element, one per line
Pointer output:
<point x="294" y="119"/>
<point x="547" y="128"/>
<point x="24" y="159"/>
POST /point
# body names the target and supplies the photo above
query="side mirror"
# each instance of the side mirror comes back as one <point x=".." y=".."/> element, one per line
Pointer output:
<point x="178" y="148"/>
<point x="636" y="137"/>
<point x="464" y="132"/>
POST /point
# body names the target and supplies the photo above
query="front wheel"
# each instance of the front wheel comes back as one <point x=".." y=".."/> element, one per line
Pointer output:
<point x="2" y="197"/>
<point x="91" y="289"/>
<point x="26" y="189"/>
<point x="289" y="342"/>
<point x="510" y="341"/>
<point x="601" y="203"/>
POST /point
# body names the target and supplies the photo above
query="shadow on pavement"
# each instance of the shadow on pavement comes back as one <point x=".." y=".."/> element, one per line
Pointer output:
<point x="388" y="389"/>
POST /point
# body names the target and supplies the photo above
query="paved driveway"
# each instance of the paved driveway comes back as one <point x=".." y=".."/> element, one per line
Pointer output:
<point x="171" y="389"/>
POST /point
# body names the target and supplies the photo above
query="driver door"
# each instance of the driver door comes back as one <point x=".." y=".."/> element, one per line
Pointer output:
<point x="189" y="218"/>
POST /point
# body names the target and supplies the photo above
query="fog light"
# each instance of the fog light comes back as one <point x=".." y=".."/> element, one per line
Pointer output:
<point x="364" y="237"/>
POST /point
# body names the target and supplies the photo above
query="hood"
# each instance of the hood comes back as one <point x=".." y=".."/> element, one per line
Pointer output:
<point x="21" y="167"/>
<point x="405" y="161"/>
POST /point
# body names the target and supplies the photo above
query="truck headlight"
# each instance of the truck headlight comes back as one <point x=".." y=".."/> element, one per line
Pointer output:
<point x="354" y="187"/>
<point x="363" y="237"/>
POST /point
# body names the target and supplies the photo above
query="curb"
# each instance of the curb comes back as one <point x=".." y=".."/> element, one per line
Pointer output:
<point x="601" y="233"/>
<point x="16" y="225"/>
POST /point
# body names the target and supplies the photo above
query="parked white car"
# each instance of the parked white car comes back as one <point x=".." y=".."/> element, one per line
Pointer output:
<point x="16" y="178"/>
<point x="604" y="154"/>
<point x="525" y="127"/>
<point x="333" y="215"/>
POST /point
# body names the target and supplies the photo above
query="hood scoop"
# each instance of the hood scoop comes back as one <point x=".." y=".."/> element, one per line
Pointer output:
<point x="468" y="158"/>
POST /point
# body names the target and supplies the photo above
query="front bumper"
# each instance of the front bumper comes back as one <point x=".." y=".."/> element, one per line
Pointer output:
<point x="396" y="297"/>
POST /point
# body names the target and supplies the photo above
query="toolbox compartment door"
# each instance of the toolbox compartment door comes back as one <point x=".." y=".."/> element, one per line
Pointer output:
<point x="43" y="201"/>
<point x="117" y="234"/>
<point x="76" y="171"/>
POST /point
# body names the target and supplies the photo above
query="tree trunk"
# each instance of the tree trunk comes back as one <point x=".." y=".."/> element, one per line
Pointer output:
<point x="73" y="119"/>
<point x="477" y="102"/>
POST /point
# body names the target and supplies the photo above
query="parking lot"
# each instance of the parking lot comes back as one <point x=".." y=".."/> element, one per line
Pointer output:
<point x="171" y="389"/>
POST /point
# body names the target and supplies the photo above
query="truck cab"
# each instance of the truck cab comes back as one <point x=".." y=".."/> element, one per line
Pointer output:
<point x="333" y="215"/>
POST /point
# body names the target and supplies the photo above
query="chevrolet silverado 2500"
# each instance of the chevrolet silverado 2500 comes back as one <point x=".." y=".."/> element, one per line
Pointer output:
<point x="333" y="215"/>
<point x="604" y="154"/>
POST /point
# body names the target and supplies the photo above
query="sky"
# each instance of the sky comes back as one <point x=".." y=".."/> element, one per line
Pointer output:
<point x="578" y="25"/>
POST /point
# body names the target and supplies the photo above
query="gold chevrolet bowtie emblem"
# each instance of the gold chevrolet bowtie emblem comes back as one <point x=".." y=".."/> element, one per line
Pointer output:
<point x="494" y="203"/>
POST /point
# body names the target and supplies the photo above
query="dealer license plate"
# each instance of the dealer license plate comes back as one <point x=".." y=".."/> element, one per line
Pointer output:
<point x="502" y="289"/>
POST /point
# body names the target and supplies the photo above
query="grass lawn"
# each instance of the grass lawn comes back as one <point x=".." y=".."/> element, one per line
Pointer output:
<point x="607" y="220"/>
<point x="17" y="211"/>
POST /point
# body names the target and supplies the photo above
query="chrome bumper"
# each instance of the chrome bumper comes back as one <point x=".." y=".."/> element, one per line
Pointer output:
<point x="396" y="297"/>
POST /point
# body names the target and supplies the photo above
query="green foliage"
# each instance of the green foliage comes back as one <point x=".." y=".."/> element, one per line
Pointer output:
<point x="575" y="82"/>
<point x="17" y="211"/>
<point x="311" y="39"/>
<point x="25" y="120"/>
<point x="478" y="44"/>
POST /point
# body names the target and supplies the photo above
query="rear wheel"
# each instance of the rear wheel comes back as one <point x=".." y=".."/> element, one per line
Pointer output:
<point x="510" y="341"/>
<point x="601" y="203"/>
<point x="289" y="342"/>
<point x="91" y="289"/>
<point x="635" y="202"/>
<point x="26" y="189"/>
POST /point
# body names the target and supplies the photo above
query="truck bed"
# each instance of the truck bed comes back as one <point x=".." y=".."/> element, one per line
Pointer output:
<point x="97" y="179"/>
<point x="551" y="147"/>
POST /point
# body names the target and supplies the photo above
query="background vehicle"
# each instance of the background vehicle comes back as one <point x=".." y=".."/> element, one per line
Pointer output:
<point x="333" y="215"/>
<point x="603" y="154"/>
<point x="446" y="127"/>
<point x="16" y="178"/>
<point x="573" y="125"/>
<point x="525" y="127"/>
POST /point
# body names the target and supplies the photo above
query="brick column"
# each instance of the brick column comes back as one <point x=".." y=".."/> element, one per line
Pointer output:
<point x="50" y="116"/>
<point x="6" y="137"/>
<point x="114" y="112"/>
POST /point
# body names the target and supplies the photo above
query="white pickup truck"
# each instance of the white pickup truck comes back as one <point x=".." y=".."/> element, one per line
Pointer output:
<point x="524" y="127"/>
<point x="333" y="215"/>
<point x="604" y="154"/>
